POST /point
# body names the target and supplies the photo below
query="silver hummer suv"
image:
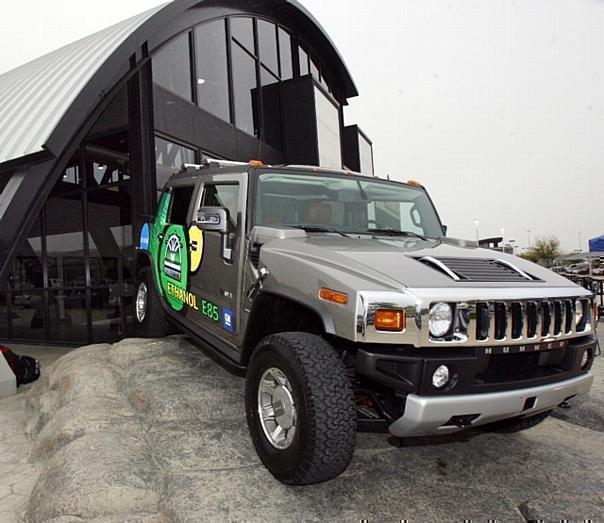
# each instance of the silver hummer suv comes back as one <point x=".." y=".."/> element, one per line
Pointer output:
<point x="343" y="302"/>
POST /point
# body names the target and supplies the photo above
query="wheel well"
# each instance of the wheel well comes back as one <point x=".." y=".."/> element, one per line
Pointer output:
<point x="271" y="314"/>
<point x="142" y="261"/>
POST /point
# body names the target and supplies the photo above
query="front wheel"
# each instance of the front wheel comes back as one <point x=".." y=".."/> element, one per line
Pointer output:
<point x="300" y="408"/>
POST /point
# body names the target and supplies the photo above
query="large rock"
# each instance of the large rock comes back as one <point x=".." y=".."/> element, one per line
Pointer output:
<point x="100" y="474"/>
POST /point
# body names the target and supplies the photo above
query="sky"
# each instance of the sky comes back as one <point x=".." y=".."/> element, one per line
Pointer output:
<point x="496" y="106"/>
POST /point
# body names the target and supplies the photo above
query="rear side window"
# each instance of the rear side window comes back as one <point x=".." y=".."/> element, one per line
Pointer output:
<point x="181" y="200"/>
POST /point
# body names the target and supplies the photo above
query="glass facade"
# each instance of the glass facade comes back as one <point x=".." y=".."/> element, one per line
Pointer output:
<point x="366" y="156"/>
<point x="247" y="94"/>
<point x="245" y="89"/>
<point x="328" y="131"/>
<point x="73" y="279"/>
<point x="212" y="72"/>
<point x="169" y="158"/>
<point x="172" y="67"/>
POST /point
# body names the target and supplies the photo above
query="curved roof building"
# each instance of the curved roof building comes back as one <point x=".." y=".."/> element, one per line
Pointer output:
<point x="90" y="132"/>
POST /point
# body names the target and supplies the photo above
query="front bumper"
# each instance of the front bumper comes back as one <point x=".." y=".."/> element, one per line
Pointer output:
<point x="445" y="414"/>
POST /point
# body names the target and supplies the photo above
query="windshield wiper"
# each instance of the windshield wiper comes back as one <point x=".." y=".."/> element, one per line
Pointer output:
<point x="395" y="232"/>
<point x="319" y="228"/>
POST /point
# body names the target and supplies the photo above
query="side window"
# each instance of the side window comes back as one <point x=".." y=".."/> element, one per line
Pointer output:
<point x="223" y="195"/>
<point x="181" y="199"/>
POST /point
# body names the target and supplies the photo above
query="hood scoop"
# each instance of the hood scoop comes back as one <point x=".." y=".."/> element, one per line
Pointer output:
<point x="478" y="269"/>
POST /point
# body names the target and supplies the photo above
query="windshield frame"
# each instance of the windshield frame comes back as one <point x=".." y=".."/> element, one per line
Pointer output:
<point x="256" y="173"/>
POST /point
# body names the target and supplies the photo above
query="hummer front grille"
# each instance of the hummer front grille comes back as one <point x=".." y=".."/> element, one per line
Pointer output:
<point x="519" y="321"/>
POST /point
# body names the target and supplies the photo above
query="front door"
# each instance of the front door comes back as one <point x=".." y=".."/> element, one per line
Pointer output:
<point x="216" y="259"/>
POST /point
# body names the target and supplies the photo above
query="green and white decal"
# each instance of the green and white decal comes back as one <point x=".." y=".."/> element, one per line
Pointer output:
<point x="174" y="268"/>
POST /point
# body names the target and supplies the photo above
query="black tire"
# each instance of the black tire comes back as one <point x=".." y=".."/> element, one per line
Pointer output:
<point x="509" y="426"/>
<point x="325" y="435"/>
<point x="154" y="324"/>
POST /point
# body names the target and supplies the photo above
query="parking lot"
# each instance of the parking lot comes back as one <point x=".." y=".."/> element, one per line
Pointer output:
<point x="154" y="431"/>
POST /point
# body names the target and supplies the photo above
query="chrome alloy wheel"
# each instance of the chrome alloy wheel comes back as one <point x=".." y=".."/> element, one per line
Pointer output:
<point x="277" y="409"/>
<point x="141" y="302"/>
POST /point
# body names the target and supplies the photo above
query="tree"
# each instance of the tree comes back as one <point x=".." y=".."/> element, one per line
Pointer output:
<point x="545" y="251"/>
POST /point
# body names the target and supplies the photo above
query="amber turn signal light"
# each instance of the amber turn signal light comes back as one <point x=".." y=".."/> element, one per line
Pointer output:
<point x="335" y="296"/>
<point x="256" y="163"/>
<point x="389" y="320"/>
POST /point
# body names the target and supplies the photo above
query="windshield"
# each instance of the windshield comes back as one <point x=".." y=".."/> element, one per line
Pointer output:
<point x="330" y="203"/>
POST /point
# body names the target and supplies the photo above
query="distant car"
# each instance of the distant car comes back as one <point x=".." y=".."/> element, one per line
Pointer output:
<point x="578" y="268"/>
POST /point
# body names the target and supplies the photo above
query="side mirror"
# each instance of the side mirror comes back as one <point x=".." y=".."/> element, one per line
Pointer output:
<point x="212" y="219"/>
<point x="445" y="228"/>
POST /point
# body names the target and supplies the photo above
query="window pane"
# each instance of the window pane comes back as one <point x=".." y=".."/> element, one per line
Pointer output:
<point x="366" y="156"/>
<point x="212" y="79"/>
<point x="328" y="131"/>
<point x="285" y="52"/>
<point x="28" y="315"/>
<point x="103" y="174"/>
<point x="28" y="265"/>
<point x="267" y="43"/>
<point x="226" y="196"/>
<point x="181" y="200"/>
<point x="304" y="70"/>
<point x="242" y="29"/>
<point x="110" y="236"/>
<point x="3" y="316"/>
<point x="314" y="70"/>
<point x="172" y="67"/>
<point x="169" y="158"/>
<point x="67" y="315"/>
<point x="106" y="316"/>
<point x="271" y="107"/>
<point x="4" y="178"/>
<point x="65" y="241"/>
<point x="244" y="84"/>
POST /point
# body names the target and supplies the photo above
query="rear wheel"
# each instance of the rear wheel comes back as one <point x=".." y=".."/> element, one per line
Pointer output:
<point x="509" y="426"/>
<point x="300" y="408"/>
<point x="149" y="316"/>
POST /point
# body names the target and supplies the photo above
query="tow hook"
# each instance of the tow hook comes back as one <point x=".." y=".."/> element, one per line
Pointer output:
<point x="257" y="285"/>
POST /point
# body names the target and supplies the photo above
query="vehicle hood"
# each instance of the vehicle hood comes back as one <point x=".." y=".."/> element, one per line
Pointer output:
<point x="394" y="261"/>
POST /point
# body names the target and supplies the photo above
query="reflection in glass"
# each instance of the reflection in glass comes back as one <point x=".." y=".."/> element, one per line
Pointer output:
<point x="67" y="320"/>
<point x="267" y="44"/>
<point x="245" y="88"/>
<point x="169" y="158"/>
<point x="212" y="77"/>
<point x="242" y="29"/>
<point x="285" y="53"/>
<point x="28" y="318"/>
<point x="65" y="240"/>
<point x="4" y="325"/>
<point x="28" y="270"/>
<point x="328" y="131"/>
<point x="172" y="67"/>
<point x="110" y="241"/>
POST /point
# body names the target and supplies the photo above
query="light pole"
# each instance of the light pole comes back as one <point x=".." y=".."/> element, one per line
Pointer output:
<point x="476" y="223"/>
<point x="502" y="239"/>
<point x="580" y="242"/>
<point x="528" y="234"/>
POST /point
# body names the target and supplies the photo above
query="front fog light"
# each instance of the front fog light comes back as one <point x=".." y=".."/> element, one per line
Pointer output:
<point x="441" y="318"/>
<point x="585" y="360"/>
<point x="440" y="377"/>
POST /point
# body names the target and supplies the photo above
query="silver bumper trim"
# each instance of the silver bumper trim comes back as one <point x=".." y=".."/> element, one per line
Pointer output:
<point x="426" y="415"/>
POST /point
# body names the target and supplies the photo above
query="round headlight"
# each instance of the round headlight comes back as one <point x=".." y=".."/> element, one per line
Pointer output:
<point x="441" y="318"/>
<point x="440" y="377"/>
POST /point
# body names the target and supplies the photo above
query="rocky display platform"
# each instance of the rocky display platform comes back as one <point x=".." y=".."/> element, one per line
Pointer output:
<point x="152" y="430"/>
